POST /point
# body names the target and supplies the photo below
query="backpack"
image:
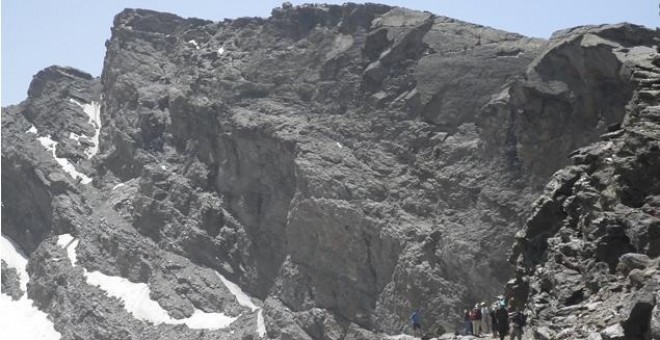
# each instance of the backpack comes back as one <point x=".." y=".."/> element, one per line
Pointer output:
<point x="519" y="319"/>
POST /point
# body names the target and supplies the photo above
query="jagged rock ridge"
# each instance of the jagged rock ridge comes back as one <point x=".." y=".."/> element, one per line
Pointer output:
<point x="587" y="260"/>
<point x="342" y="164"/>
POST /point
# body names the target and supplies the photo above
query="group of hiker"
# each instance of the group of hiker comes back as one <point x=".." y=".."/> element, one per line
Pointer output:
<point x="500" y="319"/>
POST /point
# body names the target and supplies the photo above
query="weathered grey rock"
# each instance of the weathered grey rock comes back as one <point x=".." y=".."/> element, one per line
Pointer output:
<point x="655" y="321"/>
<point x="544" y="333"/>
<point x="455" y="68"/>
<point x="631" y="261"/>
<point x="614" y="332"/>
<point x="10" y="282"/>
<point x="338" y="163"/>
<point x="605" y="203"/>
<point x="638" y="322"/>
<point x="532" y="111"/>
<point x="79" y="309"/>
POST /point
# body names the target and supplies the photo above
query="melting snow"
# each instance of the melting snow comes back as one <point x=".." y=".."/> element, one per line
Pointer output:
<point x="242" y="298"/>
<point x="401" y="337"/>
<point x="15" y="258"/>
<point x="137" y="302"/>
<point x="70" y="244"/>
<point x="20" y="319"/>
<point x="136" y="296"/>
<point x="245" y="300"/>
<point x="118" y="186"/>
<point x="50" y="144"/>
<point x="75" y="137"/>
<point x="93" y="111"/>
<point x="261" y="326"/>
<point x="221" y="50"/>
<point x="194" y="43"/>
<point x="32" y="129"/>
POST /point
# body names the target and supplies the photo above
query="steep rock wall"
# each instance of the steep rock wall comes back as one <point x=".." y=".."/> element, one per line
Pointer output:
<point x="588" y="256"/>
<point x="334" y="161"/>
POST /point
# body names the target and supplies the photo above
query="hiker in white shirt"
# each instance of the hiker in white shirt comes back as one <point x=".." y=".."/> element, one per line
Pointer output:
<point x="485" y="318"/>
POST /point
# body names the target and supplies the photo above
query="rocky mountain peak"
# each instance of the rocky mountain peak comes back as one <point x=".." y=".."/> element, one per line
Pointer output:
<point x="321" y="173"/>
<point x="49" y="78"/>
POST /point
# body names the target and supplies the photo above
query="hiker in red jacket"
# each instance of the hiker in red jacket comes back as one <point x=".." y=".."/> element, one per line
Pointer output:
<point x="475" y="318"/>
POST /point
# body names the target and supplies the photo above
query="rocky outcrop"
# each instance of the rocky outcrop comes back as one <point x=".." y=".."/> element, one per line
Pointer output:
<point x="572" y="93"/>
<point x="587" y="260"/>
<point x="80" y="309"/>
<point x="10" y="282"/>
<point x="304" y="169"/>
<point x="342" y="164"/>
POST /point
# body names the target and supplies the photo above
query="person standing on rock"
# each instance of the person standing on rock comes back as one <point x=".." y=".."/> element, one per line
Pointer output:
<point x="485" y="318"/>
<point x="502" y="317"/>
<point x="493" y="320"/>
<point x="475" y="318"/>
<point x="466" y="322"/>
<point x="502" y="301"/>
<point x="416" y="320"/>
<point x="518" y="321"/>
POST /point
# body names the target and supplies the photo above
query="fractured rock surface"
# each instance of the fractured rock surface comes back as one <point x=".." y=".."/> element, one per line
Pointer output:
<point x="342" y="164"/>
<point x="10" y="282"/>
<point x="587" y="260"/>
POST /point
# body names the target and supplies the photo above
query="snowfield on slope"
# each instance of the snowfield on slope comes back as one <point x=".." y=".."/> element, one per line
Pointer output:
<point x="51" y="146"/>
<point x="137" y="301"/>
<point x="245" y="300"/>
<point x="24" y="321"/>
<point x="93" y="111"/>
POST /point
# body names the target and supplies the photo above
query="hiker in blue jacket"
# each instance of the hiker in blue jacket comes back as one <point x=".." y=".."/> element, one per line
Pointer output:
<point x="416" y="320"/>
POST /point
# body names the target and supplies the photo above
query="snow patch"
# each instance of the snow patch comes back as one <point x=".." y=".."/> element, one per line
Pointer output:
<point x="93" y="111"/>
<point x="261" y="326"/>
<point x="135" y="297"/>
<point x="20" y="319"/>
<point x="221" y="50"/>
<point x="75" y="137"/>
<point x="163" y="167"/>
<point x="15" y="258"/>
<point x="245" y="300"/>
<point x="137" y="302"/>
<point x="194" y="44"/>
<point x="401" y="337"/>
<point x="242" y="298"/>
<point x="339" y="145"/>
<point x="70" y="244"/>
<point x="50" y="145"/>
<point x="118" y="186"/>
<point x="32" y="129"/>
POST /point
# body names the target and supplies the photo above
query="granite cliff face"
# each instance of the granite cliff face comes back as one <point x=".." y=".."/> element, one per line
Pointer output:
<point x="587" y="260"/>
<point x="343" y="165"/>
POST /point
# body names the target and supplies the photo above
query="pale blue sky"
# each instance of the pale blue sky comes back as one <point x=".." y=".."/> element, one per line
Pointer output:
<point x="40" y="33"/>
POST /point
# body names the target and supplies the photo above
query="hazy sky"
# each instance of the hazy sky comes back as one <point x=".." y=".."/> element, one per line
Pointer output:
<point x="40" y="33"/>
